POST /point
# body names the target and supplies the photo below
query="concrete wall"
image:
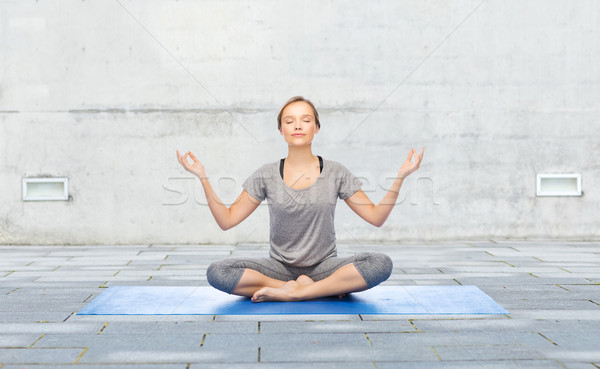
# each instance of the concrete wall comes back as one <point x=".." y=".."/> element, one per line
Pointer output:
<point x="104" y="92"/>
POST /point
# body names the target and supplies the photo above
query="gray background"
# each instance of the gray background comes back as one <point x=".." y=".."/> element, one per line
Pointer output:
<point x="104" y="92"/>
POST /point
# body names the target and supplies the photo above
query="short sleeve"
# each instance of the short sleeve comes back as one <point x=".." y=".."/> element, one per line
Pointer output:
<point x="348" y="184"/>
<point x="255" y="185"/>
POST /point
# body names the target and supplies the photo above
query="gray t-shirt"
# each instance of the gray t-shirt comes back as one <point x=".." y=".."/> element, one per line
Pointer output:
<point x="301" y="221"/>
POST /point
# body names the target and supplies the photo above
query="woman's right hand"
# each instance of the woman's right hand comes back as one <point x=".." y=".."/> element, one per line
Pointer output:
<point x="196" y="168"/>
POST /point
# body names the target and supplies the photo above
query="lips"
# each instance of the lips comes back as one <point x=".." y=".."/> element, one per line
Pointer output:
<point x="298" y="134"/>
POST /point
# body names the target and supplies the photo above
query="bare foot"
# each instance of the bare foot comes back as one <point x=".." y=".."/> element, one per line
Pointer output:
<point x="286" y="293"/>
<point x="304" y="280"/>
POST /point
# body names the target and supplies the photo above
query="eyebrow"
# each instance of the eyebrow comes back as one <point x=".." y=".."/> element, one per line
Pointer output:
<point x="291" y="116"/>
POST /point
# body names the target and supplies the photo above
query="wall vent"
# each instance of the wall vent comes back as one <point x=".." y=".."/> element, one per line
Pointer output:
<point x="552" y="184"/>
<point x="45" y="189"/>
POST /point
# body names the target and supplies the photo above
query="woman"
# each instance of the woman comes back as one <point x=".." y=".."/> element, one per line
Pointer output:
<point x="302" y="191"/>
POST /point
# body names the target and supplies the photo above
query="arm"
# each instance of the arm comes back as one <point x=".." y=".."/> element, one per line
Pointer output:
<point x="226" y="217"/>
<point x="377" y="214"/>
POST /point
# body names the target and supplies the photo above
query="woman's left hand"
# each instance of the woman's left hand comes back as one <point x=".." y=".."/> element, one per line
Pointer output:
<point x="408" y="167"/>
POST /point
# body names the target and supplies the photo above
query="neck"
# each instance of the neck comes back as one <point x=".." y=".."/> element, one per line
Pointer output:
<point x="299" y="156"/>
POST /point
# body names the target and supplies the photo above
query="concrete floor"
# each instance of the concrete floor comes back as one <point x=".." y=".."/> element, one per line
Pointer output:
<point x="552" y="290"/>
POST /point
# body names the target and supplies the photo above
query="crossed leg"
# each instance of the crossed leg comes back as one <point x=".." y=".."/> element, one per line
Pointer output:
<point x="253" y="280"/>
<point x="266" y="279"/>
<point x="262" y="288"/>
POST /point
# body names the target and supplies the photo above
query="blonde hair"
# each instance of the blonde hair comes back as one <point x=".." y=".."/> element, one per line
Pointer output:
<point x="296" y="99"/>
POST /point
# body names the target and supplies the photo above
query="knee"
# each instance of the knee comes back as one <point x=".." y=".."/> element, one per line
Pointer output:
<point x="386" y="265"/>
<point x="219" y="275"/>
<point x="376" y="268"/>
<point x="212" y="273"/>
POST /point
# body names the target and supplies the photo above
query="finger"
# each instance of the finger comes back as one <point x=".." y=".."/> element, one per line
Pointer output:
<point x="187" y="155"/>
<point x="193" y="157"/>
<point x="185" y="160"/>
<point x="183" y="163"/>
<point x="410" y="154"/>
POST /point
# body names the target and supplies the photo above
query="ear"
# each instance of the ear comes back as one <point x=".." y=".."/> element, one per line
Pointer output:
<point x="317" y="128"/>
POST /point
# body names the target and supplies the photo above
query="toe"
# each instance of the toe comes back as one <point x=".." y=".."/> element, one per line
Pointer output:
<point x="257" y="297"/>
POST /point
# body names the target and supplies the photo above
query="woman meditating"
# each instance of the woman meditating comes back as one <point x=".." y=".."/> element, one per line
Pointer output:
<point x="301" y="190"/>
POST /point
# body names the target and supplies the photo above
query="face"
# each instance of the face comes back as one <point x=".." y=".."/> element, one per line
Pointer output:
<point x="298" y="125"/>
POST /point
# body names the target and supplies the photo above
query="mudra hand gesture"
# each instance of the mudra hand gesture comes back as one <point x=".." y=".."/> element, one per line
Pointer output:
<point x="409" y="167"/>
<point x="196" y="168"/>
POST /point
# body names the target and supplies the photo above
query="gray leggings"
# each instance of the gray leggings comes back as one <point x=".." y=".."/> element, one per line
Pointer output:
<point x="225" y="274"/>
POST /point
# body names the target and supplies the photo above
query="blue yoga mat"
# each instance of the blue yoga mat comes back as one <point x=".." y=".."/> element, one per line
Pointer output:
<point x="123" y="300"/>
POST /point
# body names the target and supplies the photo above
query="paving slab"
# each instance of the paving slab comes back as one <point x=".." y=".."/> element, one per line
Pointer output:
<point x="355" y="326"/>
<point x="283" y="365"/>
<point x="36" y="329"/>
<point x="101" y="366"/>
<point x="504" y="325"/>
<point x="479" y="364"/>
<point x="180" y="327"/>
<point x="54" y="355"/>
<point x="303" y="347"/>
<point x="17" y="339"/>
<point x="487" y="352"/>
